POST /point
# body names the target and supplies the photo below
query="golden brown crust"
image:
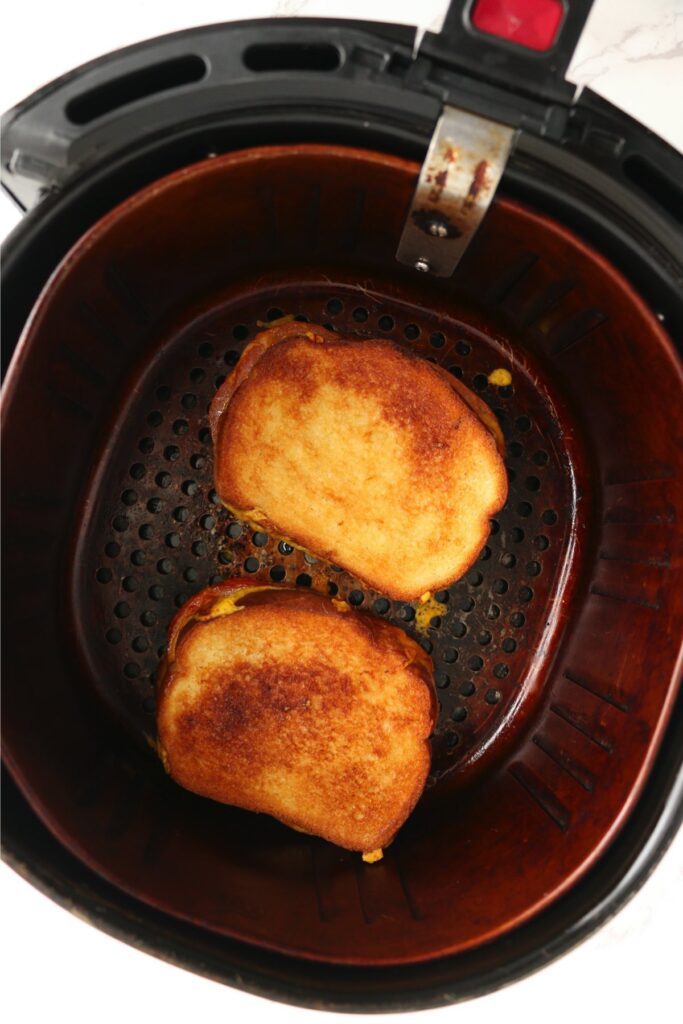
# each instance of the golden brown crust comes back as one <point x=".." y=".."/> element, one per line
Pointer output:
<point x="361" y="452"/>
<point x="294" y="708"/>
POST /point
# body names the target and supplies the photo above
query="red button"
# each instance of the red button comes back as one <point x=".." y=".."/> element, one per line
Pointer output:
<point x="530" y="23"/>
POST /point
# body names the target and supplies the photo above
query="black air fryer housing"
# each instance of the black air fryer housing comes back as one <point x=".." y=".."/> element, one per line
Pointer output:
<point x="88" y="141"/>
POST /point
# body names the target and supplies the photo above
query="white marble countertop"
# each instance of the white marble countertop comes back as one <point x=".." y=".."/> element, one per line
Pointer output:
<point x="55" y="964"/>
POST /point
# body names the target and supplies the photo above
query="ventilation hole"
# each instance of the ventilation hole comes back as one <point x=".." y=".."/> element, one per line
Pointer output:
<point x="277" y="573"/>
<point x="207" y="522"/>
<point x="452" y="740"/>
<point x="225" y="557"/>
<point x="155" y="505"/>
<point x="475" y="579"/>
<point x="334" y="306"/>
<point x="450" y="655"/>
<point x="549" y="517"/>
<point x="137" y="470"/>
<point x="145" y="445"/>
<point x="199" y="549"/>
<point x="458" y="629"/>
<point x="131" y="670"/>
<point x="509" y="645"/>
<point x="436" y="339"/>
<point x="197" y="375"/>
<point x="463" y="348"/>
<point x="120" y="523"/>
<point x="213" y="497"/>
<point x="406" y="612"/>
<point x="284" y="548"/>
<point x="179" y="600"/>
<point x="523" y="423"/>
<point x="525" y="594"/>
<point x="129" y="497"/>
<point x="435" y="621"/>
<point x="386" y="323"/>
<point x="466" y="604"/>
<point x="135" y="85"/>
<point x="517" y="534"/>
<point x="426" y="645"/>
<point x="442" y="679"/>
<point x="512" y="475"/>
<point x="165" y="566"/>
<point x="173" y="540"/>
<point x="524" y="509"/>
<point x="467" y="689"/>
<point x="112" y="549"/>
<point x="155" y="418"/>
<point x="251" y="564"/>
<point x="240" y="332"/>
<point x="302" y="318"/>
<point x="292" y="56"/>
<point x="303" y="580"/>
<point x="493" y="611"/>
<point x="189" y="487"/>
<point x="456" y="371"/>
<point x="146" y="532"/>
<point x="328" y="326"/>
<point x="459" y="714"/>
<point x="104" y="575"/>
<point x="499" y="586"/>
<point x="492" y="696"/>
<point x="231" y="357"/>
<point x="476" y="663"/>
<point x="356" y="597"/>
<point x="197" y="461"/>
<point x="163" y="479"/>
<point x="205" y="349"/>
<point x="360" y="314"/>
<point x="381" y="606"/>
<point x="485" y="554"/>
<point x="484" y="638"/>
<point x="188" y="401"/>
<point x="506" y="391"/>
<point x="122" y="610"/>
<point x="234" y="530"/>
<point x="163" y="393"/>
<point x="179" y="427"/>
<point x="515" y="448"/>
<point x="508" y="560"/>
<point x="500" y="671"/>
<point x="411" y="331"/>
<point x="191" y="575"/>
<point x="480" y="381"/>
<point x="541" y="543"/>
<point x="113" y="636"/>
<point x="139" y="644"/>
<point x="260" y="539"/>
<point x="181" y="514"/>
<point x="532" y="483"/>
<point x="156" y="592"/>
<point x="310" y="559"/>
<point x="517" y="620"/>
<point x="129" y="584"/>
<point x="332" y="588"/>
<point x="495" y="527"/>
<point x="219" y="381"/>
<point x="541" y="458"/>
<point x="148" y="619"/>
<point x="533" y="569"/>
<point x="204" y="435"/>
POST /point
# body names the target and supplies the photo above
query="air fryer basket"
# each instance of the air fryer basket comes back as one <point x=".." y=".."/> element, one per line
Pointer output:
<point x="555" y="658"/>
<point x="184" y="202"/>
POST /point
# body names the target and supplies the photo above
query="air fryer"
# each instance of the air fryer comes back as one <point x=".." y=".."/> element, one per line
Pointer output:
<point x="181" y="194"/>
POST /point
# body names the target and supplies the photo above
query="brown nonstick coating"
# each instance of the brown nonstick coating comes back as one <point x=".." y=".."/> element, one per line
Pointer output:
<point x="555" y="657"/>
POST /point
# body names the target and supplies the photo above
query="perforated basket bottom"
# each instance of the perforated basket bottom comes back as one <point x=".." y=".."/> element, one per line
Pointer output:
<point x="158" y="533"/>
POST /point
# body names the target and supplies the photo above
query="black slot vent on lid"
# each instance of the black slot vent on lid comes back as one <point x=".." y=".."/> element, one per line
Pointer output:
<point x="292" y="57"/>
<point x="659" y="188"/>
<point x="103" y="99"/>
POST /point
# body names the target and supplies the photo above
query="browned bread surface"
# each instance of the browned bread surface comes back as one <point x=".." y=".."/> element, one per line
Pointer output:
<point x="295" y="708"/>
<point x="360" y="452"/>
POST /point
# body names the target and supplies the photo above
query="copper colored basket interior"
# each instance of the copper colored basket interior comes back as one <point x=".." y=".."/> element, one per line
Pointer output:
<point x="555" y="659"/>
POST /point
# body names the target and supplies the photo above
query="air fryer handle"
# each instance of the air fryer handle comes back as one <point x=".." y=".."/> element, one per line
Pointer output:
<point x="503" y="62"/>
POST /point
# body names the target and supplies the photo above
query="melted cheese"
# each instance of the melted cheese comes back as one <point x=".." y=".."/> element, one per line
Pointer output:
<point x="428" y="608"/>
<point x="501" y="377"/>
<point x="228" y="605"/>
<point x="373" y="856"/>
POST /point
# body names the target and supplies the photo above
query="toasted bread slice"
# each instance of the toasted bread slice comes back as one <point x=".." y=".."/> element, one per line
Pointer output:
<point x="361" y="452"/>
<point x="285" y="702"/>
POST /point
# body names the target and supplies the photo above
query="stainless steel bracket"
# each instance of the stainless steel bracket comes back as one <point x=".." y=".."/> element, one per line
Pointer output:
<point x="458" y="180"/>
